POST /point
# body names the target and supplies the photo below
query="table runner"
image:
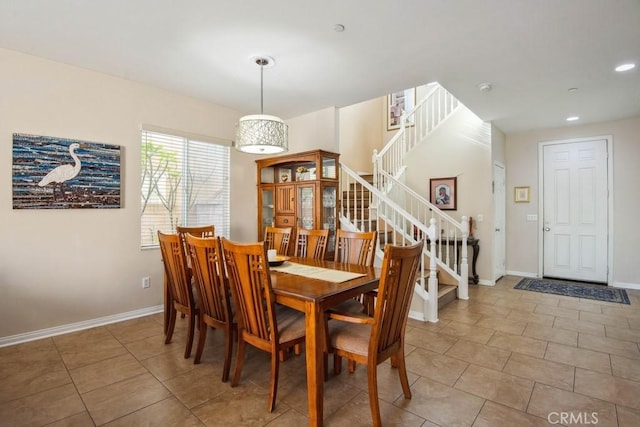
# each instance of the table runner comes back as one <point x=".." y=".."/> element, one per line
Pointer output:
<point x="335" y="276"/>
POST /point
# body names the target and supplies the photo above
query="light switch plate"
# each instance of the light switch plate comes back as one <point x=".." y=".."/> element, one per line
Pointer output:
<point x="532" y="217"/>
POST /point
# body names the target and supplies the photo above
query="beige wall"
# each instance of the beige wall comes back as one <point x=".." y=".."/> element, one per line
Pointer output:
<point x="522" y="169"/>
<point x="460" y="147"/>
<point x="361" y="130"/>
<point x="498" y="145"/>
<point x="59" y="267"/>
<point x="313" y="131"/>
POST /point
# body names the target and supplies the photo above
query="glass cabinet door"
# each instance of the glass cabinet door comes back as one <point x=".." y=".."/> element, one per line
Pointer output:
<point x="329" y="215"/>
<point x="268" y="209"/>
<point x="329" y="167"/>
<point x="305" y="207"/>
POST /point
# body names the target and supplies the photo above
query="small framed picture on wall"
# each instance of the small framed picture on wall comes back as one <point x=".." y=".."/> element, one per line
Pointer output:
<point x="443" y="193"/>
<point x="521" y="194"/>
<point x="398" y="103"/>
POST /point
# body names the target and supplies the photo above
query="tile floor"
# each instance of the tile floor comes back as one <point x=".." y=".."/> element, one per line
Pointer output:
<point x="503" y="358"/>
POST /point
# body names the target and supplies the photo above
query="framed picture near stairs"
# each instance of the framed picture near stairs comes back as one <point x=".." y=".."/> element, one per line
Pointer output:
<point x="443" y="193"/>
<point x="398" y="103"/>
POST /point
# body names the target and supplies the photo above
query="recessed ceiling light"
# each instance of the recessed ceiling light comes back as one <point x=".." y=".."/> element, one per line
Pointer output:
<point x="573" y="89"/>
<point x="338" y="28"/>
<point x="573" y="118"/>
<point x="485" y="87"/>
<point x="625" y="67"/>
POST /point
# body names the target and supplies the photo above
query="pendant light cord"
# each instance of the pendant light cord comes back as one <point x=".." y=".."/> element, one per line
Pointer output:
<point x="261" y="87"/>
<point x="262" y="62"/>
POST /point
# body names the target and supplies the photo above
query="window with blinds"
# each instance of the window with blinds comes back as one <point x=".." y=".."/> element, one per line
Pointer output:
<point x="183" y="182"/>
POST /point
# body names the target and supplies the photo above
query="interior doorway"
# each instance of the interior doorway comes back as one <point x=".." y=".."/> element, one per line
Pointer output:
<point x="575" y="206"/>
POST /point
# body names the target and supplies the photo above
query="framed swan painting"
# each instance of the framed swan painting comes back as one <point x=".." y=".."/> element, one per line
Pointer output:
<point x="61" y="173"/>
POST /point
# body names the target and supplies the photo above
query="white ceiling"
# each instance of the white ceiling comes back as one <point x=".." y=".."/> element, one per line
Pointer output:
<point x="531" y="51"/>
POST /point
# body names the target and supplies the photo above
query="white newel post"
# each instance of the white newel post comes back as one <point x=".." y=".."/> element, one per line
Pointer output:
<point x="463" y="284"/>
<point x="432" y="301"/>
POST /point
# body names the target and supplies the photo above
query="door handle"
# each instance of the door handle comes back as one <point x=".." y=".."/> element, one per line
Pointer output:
<point x="547" y="229"/>
<point x="497" y="229"/>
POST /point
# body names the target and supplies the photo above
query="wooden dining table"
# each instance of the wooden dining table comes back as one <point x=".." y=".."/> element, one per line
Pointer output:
<point x="313" y="297"/>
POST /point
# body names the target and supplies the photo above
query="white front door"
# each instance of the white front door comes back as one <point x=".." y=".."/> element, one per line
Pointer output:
<point x="575" y="206"/>
<point x="499" y="215"/>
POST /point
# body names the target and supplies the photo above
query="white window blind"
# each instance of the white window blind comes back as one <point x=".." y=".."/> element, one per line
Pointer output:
<point x="183" y="182"/>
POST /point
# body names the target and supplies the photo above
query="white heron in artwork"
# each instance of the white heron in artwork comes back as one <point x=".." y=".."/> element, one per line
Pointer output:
<point x="63" y="173"/>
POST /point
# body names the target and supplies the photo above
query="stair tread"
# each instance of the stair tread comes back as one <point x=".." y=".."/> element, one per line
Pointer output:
<point x="445" y="289"/>
<point x="446" y="294"/>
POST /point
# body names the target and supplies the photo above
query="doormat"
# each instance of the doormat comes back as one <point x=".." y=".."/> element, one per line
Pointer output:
<point x="574" y="289"/>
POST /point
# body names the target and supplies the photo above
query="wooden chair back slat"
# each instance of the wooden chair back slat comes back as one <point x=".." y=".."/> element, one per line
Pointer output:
<point x="200" y="231"/>
<point x="311" y="243"/>
<point x="278" y="238"/>
<point x="355" y="247"/>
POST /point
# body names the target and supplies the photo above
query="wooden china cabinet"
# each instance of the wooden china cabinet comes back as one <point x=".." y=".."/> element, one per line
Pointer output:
<point x="299" y="190"/>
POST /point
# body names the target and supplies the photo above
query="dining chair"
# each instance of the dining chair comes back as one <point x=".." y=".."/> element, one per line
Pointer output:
<point x="209" y="273"/>
<point x="372" y="340"/>
<point x="179" y="283"/>
<point x="260" y="324"/>
<point x="278" y="238"/>
<point x="311" y="243"/>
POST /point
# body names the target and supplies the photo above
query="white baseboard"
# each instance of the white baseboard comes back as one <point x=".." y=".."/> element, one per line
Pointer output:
<point x="486" y="282"/>
<point x="626" y="285"/>
<point x="521" y="273"/>
<point x="416" y="315"/>
<point x="73" y="327"/>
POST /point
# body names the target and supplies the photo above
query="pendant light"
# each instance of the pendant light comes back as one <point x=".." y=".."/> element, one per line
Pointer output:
<point x="261" y="133"/>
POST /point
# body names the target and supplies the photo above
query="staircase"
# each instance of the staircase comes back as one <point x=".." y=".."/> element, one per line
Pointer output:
<point x="357" y="201"/>
<point x="401" y="216"/>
